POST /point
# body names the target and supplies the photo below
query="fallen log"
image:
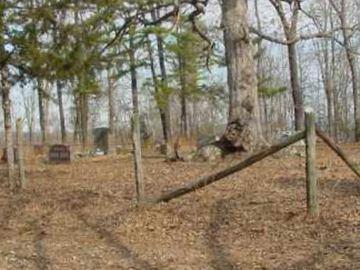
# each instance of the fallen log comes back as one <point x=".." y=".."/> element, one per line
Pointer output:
<point x="207" y="180"/>
<point x="332" y="144"/>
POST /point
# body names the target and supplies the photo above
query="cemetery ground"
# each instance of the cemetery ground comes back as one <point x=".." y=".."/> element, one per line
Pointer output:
<point x="83" y="216"/>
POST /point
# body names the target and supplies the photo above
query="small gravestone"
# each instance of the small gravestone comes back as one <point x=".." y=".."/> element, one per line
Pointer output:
<point x="59" y="153"/>
<point x="101" y="140"/>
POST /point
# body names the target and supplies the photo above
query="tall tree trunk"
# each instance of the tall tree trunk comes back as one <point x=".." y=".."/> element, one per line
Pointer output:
<point x="353" y="68"/>
<point x="290" y="27"/>
<point x="77" y="124"/>
<point x="83" y="119"/>
<point x="165" y="84"/>
<point x="158" y="96"/>
<point x="354" y="75"/>
<point x="295" y="86"/>
<point x="111" y="115"/>
<point x="6" y="105"/>
<point x="342" y="14"/>
<point x="30" y="134"/>
<point x="136" y="125"/>
<point x="40" y="91"/>
<point x="244" y="127"/>
<point x="165" y="98"/>
<point x="183" y="94"/>
<point x="61" y="111"/>
<point x="328" y="84"/>
<point x="329" y="91"/>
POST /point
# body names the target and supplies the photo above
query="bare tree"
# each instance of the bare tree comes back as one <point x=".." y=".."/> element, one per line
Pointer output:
<point x="341" y="11"/>
<point x="29" y="103"/>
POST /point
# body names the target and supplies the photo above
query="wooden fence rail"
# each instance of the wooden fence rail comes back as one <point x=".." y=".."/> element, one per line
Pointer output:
<point x="207" y="180"/>
<point x="311" y="130"/>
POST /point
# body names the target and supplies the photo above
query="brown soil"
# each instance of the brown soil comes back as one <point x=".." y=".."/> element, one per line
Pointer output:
<point x="82" y="216"/>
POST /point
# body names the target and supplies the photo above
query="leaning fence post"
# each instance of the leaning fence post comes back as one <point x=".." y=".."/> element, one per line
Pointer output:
<point x="311" y="181"/>
<point x="20" y="150"/>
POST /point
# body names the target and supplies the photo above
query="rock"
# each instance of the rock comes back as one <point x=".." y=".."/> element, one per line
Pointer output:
<point x="206" y="140"/>
<point x="209" y="153"/>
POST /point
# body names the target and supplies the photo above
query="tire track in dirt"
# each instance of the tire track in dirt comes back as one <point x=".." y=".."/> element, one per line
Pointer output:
<point x="121" y="249"/>
<point x="219" y="213"/>
<point x="42" y="262"/>
<point x="75" y="204"/>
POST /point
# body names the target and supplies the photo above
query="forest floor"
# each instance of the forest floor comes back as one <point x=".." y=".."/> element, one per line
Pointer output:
<point x="83" y="216"/>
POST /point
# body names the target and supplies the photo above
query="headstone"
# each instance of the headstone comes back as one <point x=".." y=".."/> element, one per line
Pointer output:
<point x="209" y="153"/>
<point x="59" y="153"/>
<point x="101" y="140"/>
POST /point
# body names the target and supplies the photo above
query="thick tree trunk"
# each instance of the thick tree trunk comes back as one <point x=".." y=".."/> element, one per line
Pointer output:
<point x="61" y="112"/>
<point x="6" y="104"/>
<point x="295" y="86"/>
<point x="244" y="128"/>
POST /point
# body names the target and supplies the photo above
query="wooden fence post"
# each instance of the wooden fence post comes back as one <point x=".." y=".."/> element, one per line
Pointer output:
<point x="311" y="181"/>
<point x="20" y="150"/>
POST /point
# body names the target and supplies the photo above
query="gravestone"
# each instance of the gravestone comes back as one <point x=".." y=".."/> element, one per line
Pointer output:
<point x="101" y="140"/>
<point x="59" y="153"/>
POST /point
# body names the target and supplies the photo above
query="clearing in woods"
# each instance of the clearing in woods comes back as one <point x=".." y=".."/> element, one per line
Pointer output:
<point x="82" y="216"/>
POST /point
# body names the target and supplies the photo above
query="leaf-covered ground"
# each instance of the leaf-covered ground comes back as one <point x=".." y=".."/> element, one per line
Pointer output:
<point x="82" y="216"/>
